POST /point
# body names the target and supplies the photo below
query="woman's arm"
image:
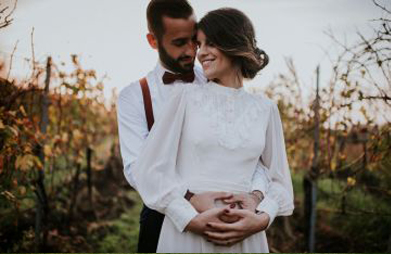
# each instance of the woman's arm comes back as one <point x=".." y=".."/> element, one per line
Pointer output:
<point x="278" y="200"/>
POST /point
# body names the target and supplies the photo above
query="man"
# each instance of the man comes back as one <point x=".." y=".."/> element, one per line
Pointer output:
<point x="172" y="32"/>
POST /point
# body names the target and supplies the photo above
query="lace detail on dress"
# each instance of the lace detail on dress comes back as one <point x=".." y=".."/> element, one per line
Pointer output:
<point x="232" y="112"/>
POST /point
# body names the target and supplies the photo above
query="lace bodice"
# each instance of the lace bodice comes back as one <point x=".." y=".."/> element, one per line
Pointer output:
<point x="232" y="112"/>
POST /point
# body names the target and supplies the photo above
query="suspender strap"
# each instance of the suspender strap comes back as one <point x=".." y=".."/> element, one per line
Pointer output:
<point x="148" y="107"/>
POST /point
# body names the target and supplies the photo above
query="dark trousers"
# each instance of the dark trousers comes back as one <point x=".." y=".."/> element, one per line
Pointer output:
<point x="150" y="227"/>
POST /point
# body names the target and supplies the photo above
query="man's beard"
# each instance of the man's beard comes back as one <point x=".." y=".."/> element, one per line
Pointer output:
<point x="173" y="64"/>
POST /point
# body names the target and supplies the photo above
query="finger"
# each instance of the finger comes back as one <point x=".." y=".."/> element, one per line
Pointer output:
<point x="226" y="243"/>
<point x="231" y="200"/>
<point x="235" y="198"/>
<point x="221" y="227"/>
<point x="218" y="211"/>
<point x="237" y="212"/>
<point x="222" y="195"/>
<point x="222" y="236"/>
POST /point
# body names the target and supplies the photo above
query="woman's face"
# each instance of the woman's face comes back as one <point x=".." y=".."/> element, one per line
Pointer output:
<point x="215" y="64"/>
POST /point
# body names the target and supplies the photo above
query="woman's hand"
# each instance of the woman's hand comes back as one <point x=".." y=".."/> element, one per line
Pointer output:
<point x="248" y="201"/>
<point x="225" y="234"/>
<point x="198" y="224"/>
<point x="206" y="200"/>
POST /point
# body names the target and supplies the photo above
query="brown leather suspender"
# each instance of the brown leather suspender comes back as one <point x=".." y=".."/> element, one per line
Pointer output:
<point x="148" y="107"/>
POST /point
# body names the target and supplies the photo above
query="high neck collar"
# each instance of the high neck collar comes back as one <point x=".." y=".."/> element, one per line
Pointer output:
<point x="226" y="89"/>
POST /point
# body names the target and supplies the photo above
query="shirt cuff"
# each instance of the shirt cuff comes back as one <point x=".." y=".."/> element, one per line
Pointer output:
<point x="270" y="207"/>
<point x="181" y="212"/>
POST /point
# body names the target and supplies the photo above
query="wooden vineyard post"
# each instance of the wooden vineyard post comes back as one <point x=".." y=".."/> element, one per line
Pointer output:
<point x="309" y="183"/>
<point x="42" y="207"/>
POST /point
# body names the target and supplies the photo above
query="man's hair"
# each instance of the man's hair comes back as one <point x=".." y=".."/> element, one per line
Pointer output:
<point x="157" y="9"/>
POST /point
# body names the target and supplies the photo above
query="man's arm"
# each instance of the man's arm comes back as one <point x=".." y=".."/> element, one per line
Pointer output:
<point x="133" y="133"/>
<point x="132" y="128"/>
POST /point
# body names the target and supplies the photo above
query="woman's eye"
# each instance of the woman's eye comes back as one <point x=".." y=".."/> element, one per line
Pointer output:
<point x="210" y="43"/>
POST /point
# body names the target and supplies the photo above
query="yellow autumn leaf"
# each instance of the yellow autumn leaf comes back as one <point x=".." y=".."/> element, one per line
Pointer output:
<point x="1" y="125"/>
<point x="64" y="137"/>
<point x="26" y="162"/>
<point x="8" y="195"/>
<point x="47" y="151"/>
<point x="38" y="163"/>
<point x="28" y="149"/>
<point x="22" y="163"/>
<point x="22" y="110"/>
<point x="13" y="130"/>
<point x="77" y="135"/>
<point x="57" y="151"/>
<point x="22" y="190"/>
<point x="351" y="181"/>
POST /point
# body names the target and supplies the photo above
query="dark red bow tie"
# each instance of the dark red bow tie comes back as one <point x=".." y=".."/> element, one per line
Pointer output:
<point x="169" y="78"/>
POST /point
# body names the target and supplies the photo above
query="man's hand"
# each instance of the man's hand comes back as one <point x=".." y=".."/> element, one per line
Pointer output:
<point x="248" y="201"/>
<point x="206" y="200"/>
<point x="198" y="224"/>
<point x="228" y="234"/>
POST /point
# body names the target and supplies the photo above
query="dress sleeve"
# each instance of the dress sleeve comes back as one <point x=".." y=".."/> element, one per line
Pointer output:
<point x="259" y="180"/>
<point x="157" y="179"/>
<point x="278" y="200"/>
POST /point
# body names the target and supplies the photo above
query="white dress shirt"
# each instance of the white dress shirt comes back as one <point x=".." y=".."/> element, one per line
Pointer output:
<point x="133" y="130"/>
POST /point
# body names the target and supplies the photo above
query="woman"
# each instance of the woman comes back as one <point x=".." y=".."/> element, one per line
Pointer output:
<point x="211" y="137"/>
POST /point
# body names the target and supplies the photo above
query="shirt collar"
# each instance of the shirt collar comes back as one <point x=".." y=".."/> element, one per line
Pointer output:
<point x="160" y="70"/>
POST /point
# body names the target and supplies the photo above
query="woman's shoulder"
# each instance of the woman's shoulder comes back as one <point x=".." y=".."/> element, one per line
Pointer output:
<point x="262" y="100"/>
<point x="184" y="89"/>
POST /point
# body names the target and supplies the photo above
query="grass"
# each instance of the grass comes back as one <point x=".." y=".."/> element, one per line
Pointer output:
<point x="364" y="226"/>
<point x="356" y="231"/>
<point x="121" y="234"/>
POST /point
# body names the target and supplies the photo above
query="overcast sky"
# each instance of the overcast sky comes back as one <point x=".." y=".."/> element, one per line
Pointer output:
<point x="109" y="35"/>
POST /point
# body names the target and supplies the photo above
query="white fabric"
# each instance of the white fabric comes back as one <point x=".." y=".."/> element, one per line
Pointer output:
<point x="132" y="128"/>
<point x="211" y="138"/>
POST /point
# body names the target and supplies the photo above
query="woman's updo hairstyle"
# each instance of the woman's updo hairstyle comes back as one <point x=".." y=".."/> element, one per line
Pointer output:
<point x="232" y="32"/>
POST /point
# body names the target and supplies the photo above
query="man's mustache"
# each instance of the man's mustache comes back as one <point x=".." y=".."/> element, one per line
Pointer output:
<point x="185" y="58"/>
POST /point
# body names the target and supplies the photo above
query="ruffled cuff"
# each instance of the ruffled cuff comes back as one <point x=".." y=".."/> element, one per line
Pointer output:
<point x="181" y="212"/>
<point x="259" y="184"/>
<point x="270" y="207"/>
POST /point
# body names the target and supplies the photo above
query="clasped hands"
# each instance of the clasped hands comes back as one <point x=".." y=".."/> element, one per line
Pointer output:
<point x="230" y="223"/>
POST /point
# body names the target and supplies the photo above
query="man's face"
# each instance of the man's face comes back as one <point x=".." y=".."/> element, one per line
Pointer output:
<point x="177" y="48"/>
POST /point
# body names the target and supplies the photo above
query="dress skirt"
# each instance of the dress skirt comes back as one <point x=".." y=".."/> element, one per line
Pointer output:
<point x="173" y="241"/>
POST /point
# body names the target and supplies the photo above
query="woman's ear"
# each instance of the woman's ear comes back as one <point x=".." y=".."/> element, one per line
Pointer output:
<point x="152" y="40"/>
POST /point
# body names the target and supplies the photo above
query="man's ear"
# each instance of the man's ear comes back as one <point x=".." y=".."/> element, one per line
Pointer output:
<point x="152" y="40"/>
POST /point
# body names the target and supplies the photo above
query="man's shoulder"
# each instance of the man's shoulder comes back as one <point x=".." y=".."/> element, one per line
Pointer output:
<point x="131" y="90"/>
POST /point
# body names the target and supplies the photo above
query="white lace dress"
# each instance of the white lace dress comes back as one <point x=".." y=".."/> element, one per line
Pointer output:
<point x="210" y="138"/>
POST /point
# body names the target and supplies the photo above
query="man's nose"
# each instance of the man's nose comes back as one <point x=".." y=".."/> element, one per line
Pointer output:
<point x="191" y="49"/>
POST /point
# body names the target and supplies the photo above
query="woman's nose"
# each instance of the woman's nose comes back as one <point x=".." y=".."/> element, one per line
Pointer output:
<point x="202" y="52"/>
